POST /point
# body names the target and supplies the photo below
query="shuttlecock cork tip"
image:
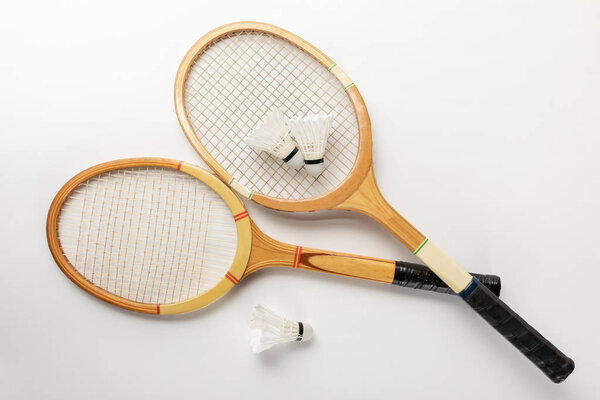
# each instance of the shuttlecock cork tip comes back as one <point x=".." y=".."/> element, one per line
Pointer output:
<point x="305" y="332"/>
<point x="314" y="169"/>
<point x="311" y="134"/>
<point x="294" y="159"/>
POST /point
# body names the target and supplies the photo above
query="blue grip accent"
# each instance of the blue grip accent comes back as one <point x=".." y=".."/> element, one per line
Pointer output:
<point x="466" y="292"/>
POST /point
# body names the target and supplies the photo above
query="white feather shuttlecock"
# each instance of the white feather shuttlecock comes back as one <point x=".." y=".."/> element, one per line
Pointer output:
<point x="268" y="329"/>
<point x="311" y="134"/>
<point x="272" y="135"/>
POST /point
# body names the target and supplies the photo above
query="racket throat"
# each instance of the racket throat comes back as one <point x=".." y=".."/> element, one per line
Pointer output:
<point x="368" y="200"/>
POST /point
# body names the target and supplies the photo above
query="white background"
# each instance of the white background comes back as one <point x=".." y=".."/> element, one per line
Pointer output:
<point x="486" y="123"/>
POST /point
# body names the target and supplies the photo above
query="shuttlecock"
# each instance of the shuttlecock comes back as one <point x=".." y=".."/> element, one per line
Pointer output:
<point x="273" y="136"/>
<point x="268" y="329"/>
<point x="311" y="134"/>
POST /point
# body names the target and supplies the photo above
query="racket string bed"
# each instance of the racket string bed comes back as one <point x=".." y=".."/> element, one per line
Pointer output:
<point x="150" y="235"/>
<point x="237" y="80"/>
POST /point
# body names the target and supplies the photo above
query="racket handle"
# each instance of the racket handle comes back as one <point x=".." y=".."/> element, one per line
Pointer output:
<point x="418" y="276"/>
<point x="524" y="337"/>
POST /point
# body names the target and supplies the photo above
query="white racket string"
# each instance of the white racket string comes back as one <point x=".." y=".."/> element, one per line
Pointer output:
<point x="242" y="76"/>
<point x="152" y="235"/>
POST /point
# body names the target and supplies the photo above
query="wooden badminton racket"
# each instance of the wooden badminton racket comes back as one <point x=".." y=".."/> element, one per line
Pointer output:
<point x="162" y="236"/>
<point x="236" y="73"/>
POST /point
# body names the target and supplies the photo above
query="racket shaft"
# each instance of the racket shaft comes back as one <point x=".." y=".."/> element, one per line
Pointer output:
<point x="406" y="274"/>
<point x="402" y="273"/>
<point x="267" y="252"/>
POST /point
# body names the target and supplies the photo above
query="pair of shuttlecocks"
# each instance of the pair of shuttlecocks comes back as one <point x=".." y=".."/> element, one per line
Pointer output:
<point x="268" y="329"/>
<point x="296" y="141"/>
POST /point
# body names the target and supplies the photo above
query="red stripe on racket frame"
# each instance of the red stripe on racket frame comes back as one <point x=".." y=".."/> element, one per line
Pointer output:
<point x="232" y="278"/>
<point x="179" y="165"/>
<point x="297" y="257"/>
<point x="158" y="308"/>
<point x="240" y="216"/>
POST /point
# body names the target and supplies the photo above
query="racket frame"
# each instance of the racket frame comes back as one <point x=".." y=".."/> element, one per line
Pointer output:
<point x="236" y="270"/>
<point x="359" y="192"/>
<point x="255" y="250"/>
<point x="363" y="160"/>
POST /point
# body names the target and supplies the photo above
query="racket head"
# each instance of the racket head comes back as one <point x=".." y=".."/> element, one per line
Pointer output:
<point x="197" y="286"/>
<point x="216" y="120"/>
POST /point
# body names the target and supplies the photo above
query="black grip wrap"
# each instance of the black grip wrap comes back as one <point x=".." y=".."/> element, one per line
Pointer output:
<point x="530" y="342"/>
<point x="418" y="276"/>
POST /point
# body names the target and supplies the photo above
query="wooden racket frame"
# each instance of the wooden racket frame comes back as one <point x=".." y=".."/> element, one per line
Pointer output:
<point x="255" y="250"/>
<point x="238" y="266"/>
<point x="363" y="160"/>
<point x="357" y="192"/>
